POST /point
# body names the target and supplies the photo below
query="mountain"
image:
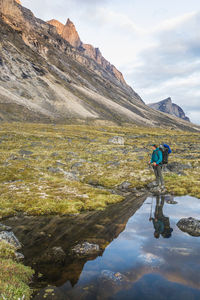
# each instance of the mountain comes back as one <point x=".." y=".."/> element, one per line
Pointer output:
<point x="47" y="74"/>
<point x="69" y="33"/>
<point x="168" y="107"/>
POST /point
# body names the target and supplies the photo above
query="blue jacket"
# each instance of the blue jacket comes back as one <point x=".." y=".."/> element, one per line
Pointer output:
<point x="157" y="156"/>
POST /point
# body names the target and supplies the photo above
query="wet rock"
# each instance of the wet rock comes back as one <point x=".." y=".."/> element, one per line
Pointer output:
<point x="124" y="185"/>
<point x="108" y="275"/>
<point x="189" y="225"/>
<point x="25" y="152"/>
<point x="119" y="140"/>
<point x="10" y="238"/>
<point x="53" y="255"/>
<point x="177" y="167"/>
<point x="85" y="248"/>
<point x="51" y="293"/>
<point x="4" y="227"/>
<point x="152" y="185"/>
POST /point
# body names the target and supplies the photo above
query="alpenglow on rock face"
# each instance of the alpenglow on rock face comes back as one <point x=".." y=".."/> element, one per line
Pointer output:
<point x="168" y="107"/>
<point x="70" y="34"/>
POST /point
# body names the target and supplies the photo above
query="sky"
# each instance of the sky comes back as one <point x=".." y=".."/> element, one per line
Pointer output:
<point x="154" y="43"/>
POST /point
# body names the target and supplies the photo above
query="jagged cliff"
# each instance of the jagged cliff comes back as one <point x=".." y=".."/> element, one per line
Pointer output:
<point x="44" y="78"/>
<point x="70" y="34"/>
<point x="168" y="107"/>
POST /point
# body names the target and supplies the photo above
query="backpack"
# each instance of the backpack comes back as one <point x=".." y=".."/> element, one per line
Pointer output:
<point x="165" y="153"/>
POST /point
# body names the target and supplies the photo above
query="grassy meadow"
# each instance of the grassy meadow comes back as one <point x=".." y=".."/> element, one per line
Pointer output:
<point x="61" y="169"/>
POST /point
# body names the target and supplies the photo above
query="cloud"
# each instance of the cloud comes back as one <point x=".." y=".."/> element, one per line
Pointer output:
<point x="172" y="66"/>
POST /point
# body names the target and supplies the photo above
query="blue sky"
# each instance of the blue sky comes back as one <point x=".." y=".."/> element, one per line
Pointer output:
<point x="155" y="43"/>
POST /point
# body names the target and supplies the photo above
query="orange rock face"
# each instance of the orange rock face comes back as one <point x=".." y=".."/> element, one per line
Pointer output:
<point x="70" y="34"/>
<point x="18" y="1"/>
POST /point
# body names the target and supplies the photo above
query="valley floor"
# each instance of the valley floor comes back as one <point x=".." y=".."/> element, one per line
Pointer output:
<point x="62" y="169"/>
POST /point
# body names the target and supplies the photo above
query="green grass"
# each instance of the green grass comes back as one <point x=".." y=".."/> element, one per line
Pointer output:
<point x="28" y="186"/>
<point x="14" y="277"/>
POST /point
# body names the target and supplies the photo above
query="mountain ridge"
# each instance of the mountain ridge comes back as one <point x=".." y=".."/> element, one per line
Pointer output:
<point x="167" y="106"/>
<point x="70" y="34"/>
<point x="43" y="78"/>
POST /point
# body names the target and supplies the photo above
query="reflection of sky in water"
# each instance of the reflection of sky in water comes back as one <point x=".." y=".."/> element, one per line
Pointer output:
<point x="136" y="252"/>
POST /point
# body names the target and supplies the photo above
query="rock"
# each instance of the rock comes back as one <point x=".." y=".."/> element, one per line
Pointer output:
<point x="19" y="256"/>
<point x="70" y="175"/>
<point x="112" y="276"/>
<point x="119" y="140"/>
<point x="113" y="163"/>
<point x="54" y="154"/>
<point x="53" y="255"/>
<point x="54" y="170"/>
<point x="4" y="227"/>
<point x="152" y="185"/>
<point x="177" y="167"/>
<point x="85" y="248"/>
<point x="189" y="225"/>
<point x="25" y="152"/>
<point x="168" y="107"/>
<point x="10" y="238"/>
<point x="76" y="165"/>
<point x="124" y="185"/>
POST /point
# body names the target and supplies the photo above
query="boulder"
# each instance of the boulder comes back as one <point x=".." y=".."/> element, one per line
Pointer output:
<point x="10" y="238"/>
<point x="85" y="248"/>
<point x="124" y="185"/>
<point x="119" y="140"/>
<point x="189" y="225"/>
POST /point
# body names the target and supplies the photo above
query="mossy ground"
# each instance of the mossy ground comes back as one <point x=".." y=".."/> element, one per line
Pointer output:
<point x="28" y="185"/>
<point x="14" y="277"/>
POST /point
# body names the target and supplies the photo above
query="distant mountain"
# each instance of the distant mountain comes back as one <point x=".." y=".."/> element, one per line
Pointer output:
<point x="47" y="74"/>
<point x="168" y="107"/>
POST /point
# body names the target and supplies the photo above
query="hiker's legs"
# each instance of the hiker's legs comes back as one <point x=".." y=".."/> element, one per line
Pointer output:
<point x="160" y="176"/>
<point x="156" y="174"/>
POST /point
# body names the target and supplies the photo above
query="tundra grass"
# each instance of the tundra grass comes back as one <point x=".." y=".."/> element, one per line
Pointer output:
<point x="67" y="169"/>
<point x="14" y="277"/>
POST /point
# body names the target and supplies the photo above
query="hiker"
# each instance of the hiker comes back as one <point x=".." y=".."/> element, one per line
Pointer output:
<point x="156" y="161"/>
<point x="160" y="221"/>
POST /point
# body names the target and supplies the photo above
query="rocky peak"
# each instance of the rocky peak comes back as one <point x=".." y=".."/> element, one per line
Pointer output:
<point x="70" y="34"/>
<point x="167" y="106"/>
<point x="18" y="1"/>
<point x="67" y="31"/>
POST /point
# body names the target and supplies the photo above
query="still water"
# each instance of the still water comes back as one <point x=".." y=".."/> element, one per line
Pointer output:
<point x="137" y="265"/>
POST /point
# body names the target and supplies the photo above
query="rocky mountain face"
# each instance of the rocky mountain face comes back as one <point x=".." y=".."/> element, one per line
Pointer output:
<point x="44" y="78"/>
<point x="168" y="107"/>
<point x="69" y="33"/>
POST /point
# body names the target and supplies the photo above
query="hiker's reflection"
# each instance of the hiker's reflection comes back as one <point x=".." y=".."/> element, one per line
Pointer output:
<point x="160" y="222"/>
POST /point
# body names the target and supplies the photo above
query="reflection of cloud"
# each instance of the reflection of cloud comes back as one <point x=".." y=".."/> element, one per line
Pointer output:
<point x="149" y="258"/>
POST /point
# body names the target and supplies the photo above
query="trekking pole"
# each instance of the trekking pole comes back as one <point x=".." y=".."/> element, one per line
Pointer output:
<point x="151" y="207"/>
